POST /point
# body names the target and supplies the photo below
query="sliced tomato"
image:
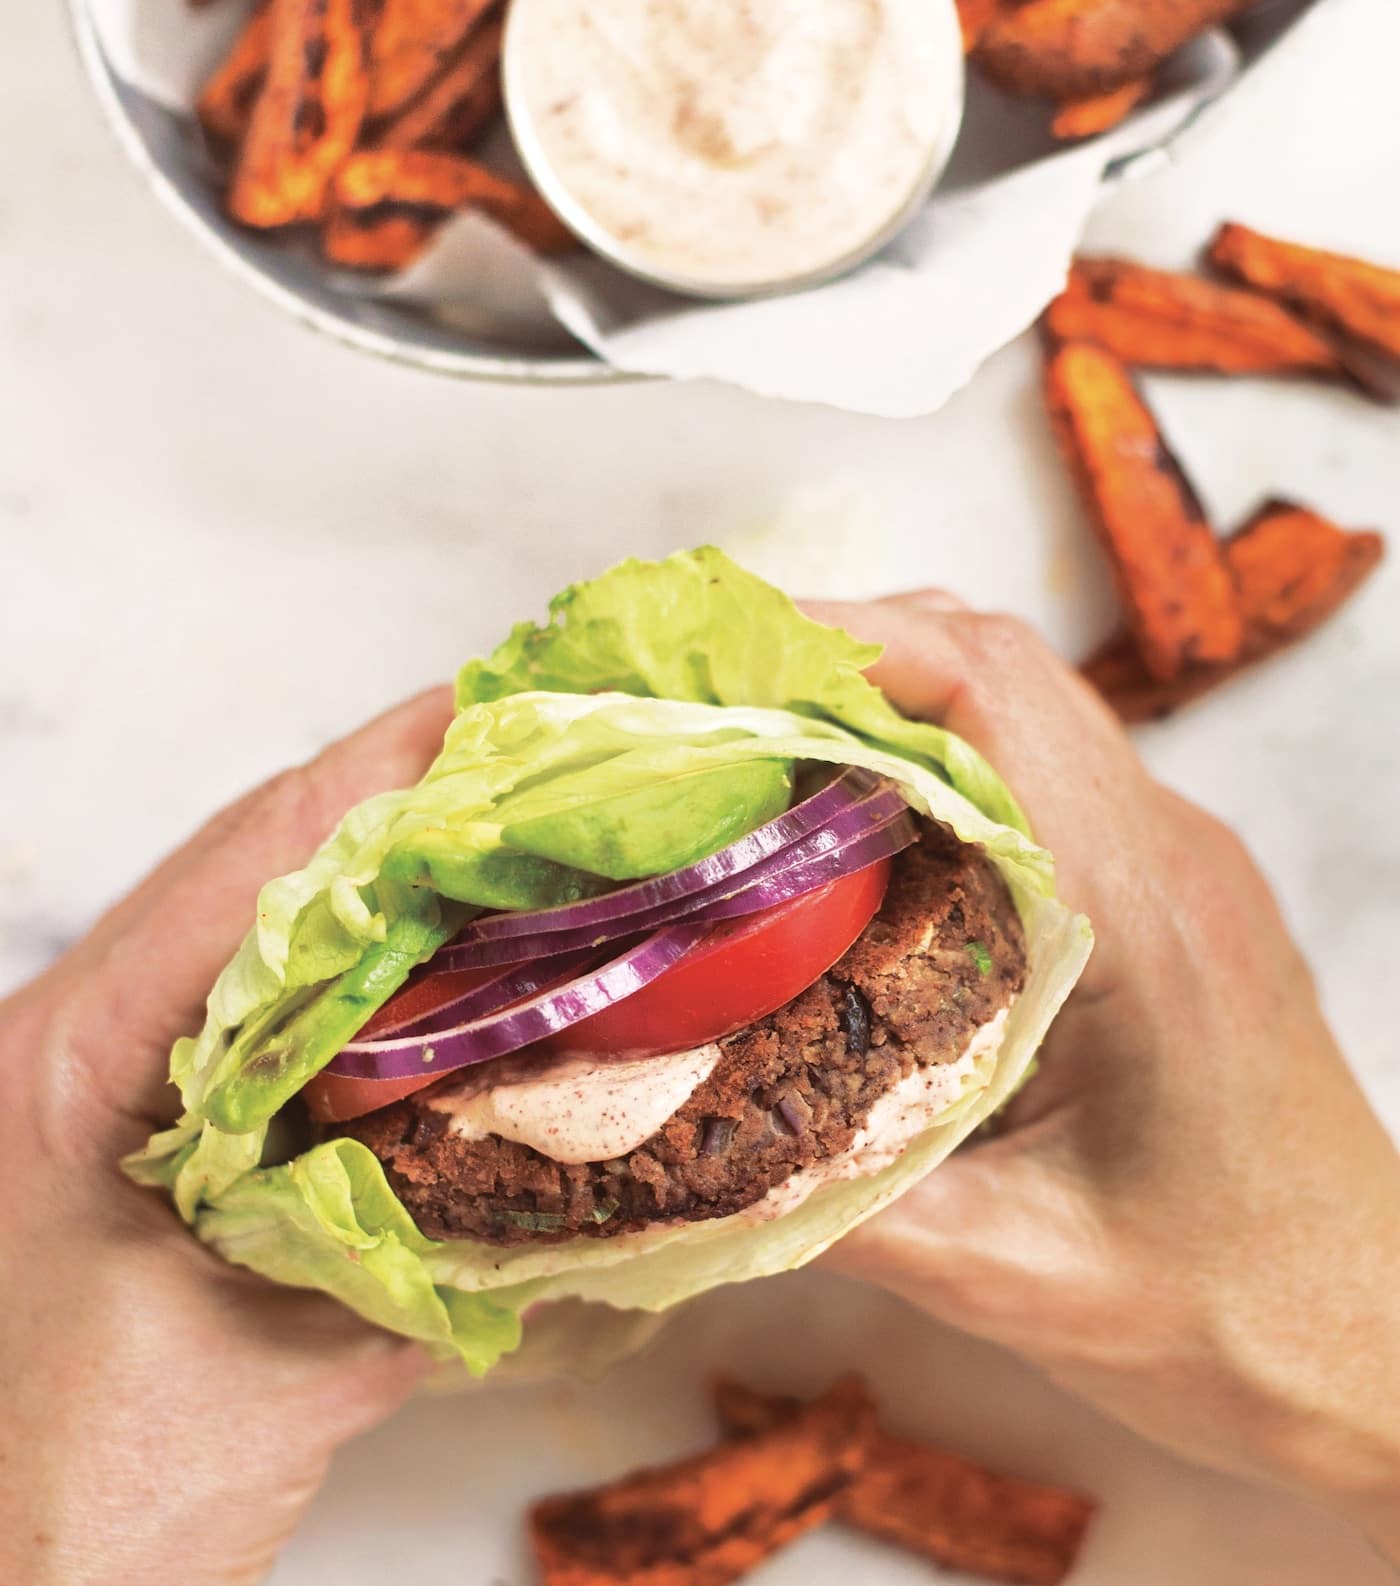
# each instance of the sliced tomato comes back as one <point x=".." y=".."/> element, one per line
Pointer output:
<point x="332" y="1098"/>
<point x="745" y="969"/>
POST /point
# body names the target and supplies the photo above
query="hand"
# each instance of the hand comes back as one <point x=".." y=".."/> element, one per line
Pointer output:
<point x="166" y="1417"/>
<point x="1192" y="1217"/>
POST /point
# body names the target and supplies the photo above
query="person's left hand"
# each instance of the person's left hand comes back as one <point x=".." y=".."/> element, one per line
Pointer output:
<point x="166" y="1417"/>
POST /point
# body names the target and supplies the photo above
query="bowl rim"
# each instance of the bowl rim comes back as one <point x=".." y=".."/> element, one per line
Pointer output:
<point x="584" y="369"/>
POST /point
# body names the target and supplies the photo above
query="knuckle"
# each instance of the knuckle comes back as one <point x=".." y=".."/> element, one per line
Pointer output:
<point x="1217" y="843"/>
<point x="1001" y="636"/>
<point x="1220" y="869"/>
<point x="300" y="801"/>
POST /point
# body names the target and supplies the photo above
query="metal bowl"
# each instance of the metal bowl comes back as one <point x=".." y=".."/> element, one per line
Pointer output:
<point x="166" y="151"/>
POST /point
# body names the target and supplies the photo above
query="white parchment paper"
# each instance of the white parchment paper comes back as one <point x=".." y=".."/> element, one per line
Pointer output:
<point x="895" y="337"/>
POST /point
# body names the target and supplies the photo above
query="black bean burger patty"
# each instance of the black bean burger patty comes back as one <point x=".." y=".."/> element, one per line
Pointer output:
<point x="943" y="956"/>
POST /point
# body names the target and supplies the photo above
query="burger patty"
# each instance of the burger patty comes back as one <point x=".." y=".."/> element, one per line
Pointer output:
<point x="942" y="957"/>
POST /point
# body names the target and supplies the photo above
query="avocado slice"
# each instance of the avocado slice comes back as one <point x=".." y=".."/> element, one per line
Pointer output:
<point x="492" y="878"/>
<point x="271" y="1059"/>
<point x="661" y="825"/>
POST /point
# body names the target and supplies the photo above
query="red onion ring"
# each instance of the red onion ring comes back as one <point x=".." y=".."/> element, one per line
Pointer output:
<point x="513" y="1023"/>
<point x="510" y="986"/>
<point x="851" y="788"/>
<point x="883" y="843"/>
<point x="407" y="1057"/>
<point x="822" y="856"/>
<point x="851" y="823"/>
<point x="650" y="902"/>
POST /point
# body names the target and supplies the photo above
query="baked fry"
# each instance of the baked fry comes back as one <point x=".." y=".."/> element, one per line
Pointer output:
<point x="1293" y="568"/>
<point x="1156" y="319"/>
<point x="946" y="1508"/>
<point x="1176" y="591"/>
<point x="411" y="43"/>
<point x="386" y="205"/>
<point x="225" y="103"/>
<point x="1360" y="300"/>
<point x="1074" y="49"/>
<point x="710" y="1519"/>
<point x="307" y="116"/>
<point x="976" y="17"/>
<point x="1087" y="118"/>
<point x="457" y="108"/>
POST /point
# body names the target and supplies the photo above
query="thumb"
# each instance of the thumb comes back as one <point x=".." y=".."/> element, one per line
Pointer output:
<point x="308" y="1349"/>
<point x="140" y="978"/>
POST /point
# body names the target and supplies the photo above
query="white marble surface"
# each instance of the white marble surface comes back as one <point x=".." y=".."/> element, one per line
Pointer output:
<point x="223" y="541"/>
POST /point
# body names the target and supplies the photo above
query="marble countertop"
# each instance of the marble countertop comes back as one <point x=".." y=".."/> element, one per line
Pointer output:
<point x="224" y="541"/>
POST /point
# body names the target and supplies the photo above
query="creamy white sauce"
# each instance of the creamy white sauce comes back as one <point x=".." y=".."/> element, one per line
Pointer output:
<point x="576" y="1109"/>
<point x="592" y="1109"/>
<point x="732" y="144"/>
<point x="916" y="1103"/>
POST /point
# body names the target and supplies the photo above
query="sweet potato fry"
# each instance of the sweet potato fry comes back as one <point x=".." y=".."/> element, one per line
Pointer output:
<point x="1086" y="118"/>
<point x="1360" y="300"/>
<point x="940" y="1505"/>
<point x="710" y="1519"/>
<point x="411" y="42"/>
<point x="1072" y="49"/>
<point x="976" y="17"/>
<point x="225" y="103"/>
<point x="455" y="110"/>
<point x="386" y="205"/>
<point x="1293" y="568"/>
<point x="1176" y="590"/>
<point x="1156" y="319"/>
<point x="308" y="115"/>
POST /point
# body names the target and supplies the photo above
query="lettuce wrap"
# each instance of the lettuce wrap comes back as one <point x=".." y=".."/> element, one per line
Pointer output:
<point x="646" y="683"/>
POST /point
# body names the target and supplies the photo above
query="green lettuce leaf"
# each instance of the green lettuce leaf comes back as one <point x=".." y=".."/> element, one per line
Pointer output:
<point x="688" y="669"/>
<point x="329" y="1221"/>
<point x="699" y="627"/>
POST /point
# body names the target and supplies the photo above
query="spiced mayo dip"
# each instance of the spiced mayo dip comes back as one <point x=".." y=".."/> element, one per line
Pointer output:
<point x="732" y="147"/>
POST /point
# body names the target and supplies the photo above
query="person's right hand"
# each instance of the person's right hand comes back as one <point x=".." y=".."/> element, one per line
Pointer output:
<point x="1192" y="1217"/>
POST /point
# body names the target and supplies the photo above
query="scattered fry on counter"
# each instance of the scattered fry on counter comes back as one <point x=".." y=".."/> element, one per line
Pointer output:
<point x="1073" y="49"/>
<point x="1088" y="117"/>
<point x="307" y="115"/>
<point x="411" y="42"/>
<point x="386" y="204"/>
<point x="1198" y="612"/>
<point x="788" y="1466"/>
<point x="225" y="103"/>
<point x="1350" y="296"/>
<point x="1177" y="592"/>
<point x="946" y="1508"/>
<point x="1293" y="569"/>
<point x="453" y="112"/>
<point x="1157" y="319"/>
<point x="709" y="1519"/>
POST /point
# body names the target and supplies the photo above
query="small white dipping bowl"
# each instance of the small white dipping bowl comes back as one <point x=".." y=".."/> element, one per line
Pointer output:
<point x="532" y="74"/>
